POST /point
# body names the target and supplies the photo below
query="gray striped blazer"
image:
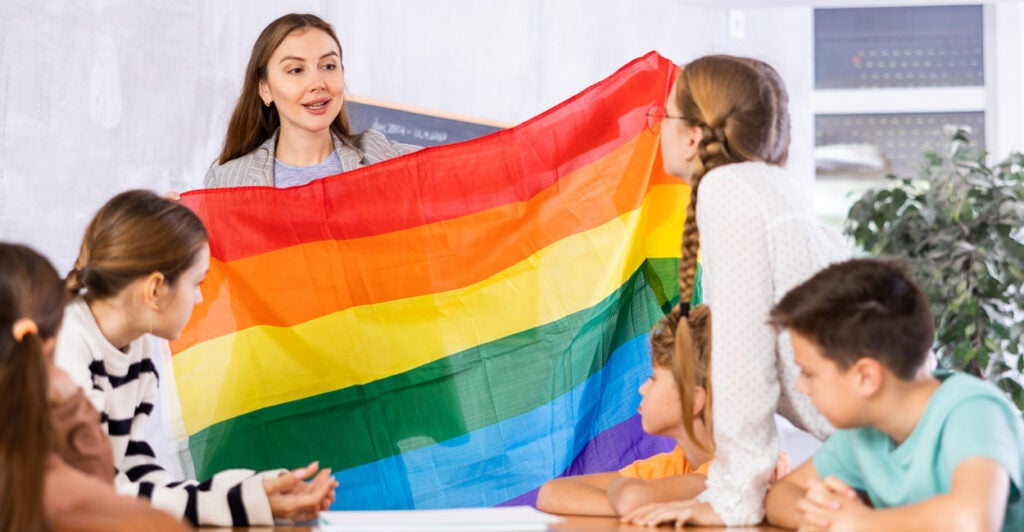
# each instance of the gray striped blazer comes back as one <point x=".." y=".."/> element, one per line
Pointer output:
<point x="256" y="168"/>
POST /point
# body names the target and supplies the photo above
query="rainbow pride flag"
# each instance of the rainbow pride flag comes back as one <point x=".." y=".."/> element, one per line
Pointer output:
<point x="450" y="328"/>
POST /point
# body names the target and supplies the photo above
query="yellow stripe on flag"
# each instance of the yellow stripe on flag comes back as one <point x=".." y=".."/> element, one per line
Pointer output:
<point x="265" y="366"/>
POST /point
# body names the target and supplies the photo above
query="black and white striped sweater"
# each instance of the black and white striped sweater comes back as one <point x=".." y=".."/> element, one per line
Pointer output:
<point x="123" y="386"/>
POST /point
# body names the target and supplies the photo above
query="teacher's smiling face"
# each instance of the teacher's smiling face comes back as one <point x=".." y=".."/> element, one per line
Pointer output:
<point x="305" y="81"/>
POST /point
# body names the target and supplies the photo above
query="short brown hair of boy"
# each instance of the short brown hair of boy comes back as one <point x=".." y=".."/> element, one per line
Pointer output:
<point x="862" y="308"/>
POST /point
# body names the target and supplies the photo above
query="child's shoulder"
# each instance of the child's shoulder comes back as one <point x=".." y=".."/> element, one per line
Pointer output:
<point x="975" y="419"/>
<point x="957" y="388"/>
<point x="78" y="330"/>
<point x="965" y="410"/>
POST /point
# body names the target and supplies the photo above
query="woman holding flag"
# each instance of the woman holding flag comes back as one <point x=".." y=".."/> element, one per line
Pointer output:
<point x="289" y="126"/>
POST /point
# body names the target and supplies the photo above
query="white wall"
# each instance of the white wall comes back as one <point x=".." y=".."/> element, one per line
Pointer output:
<point x="101" y="96"/>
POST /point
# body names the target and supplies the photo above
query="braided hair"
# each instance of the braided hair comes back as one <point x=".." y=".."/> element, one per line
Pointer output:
<point x="740" y="106"/>
<point x="682" y="342"/>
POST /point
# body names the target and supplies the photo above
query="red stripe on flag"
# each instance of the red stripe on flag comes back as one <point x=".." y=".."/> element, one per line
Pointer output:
<point x="439" y="183"/>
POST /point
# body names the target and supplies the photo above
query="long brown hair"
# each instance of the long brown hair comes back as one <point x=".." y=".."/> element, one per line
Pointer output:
<point x="252" y="122"/>
<point x="29" y="288"/>
<point x="133" y="235"/>
<point x="683" y="344"/>
<point x="740" y="104"/>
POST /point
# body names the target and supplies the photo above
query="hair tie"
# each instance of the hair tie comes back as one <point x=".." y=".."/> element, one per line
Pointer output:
<point x="707" y="133"/>
<point x="23" y="326"/>
<point x="684" y="310"/>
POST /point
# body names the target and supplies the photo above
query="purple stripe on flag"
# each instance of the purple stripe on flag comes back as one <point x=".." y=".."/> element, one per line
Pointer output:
<point x="610" y="450"/>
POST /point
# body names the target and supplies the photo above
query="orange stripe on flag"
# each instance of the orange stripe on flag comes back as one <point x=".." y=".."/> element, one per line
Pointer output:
<point x="436" y="257"/>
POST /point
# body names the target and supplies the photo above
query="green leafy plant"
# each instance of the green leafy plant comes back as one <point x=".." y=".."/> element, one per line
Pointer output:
<point x="960" y="225"/>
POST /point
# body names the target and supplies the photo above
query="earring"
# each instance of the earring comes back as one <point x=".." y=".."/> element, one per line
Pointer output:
<point x="266" y="103"/>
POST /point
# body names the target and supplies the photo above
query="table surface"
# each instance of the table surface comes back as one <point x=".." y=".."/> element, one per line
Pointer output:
<point x="572" y="523"/>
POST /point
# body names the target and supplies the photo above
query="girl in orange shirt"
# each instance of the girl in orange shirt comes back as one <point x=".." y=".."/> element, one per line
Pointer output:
<point x="676" y="402"/>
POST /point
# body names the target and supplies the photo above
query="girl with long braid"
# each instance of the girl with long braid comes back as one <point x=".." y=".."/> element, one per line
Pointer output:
<point x="726" y="132"/>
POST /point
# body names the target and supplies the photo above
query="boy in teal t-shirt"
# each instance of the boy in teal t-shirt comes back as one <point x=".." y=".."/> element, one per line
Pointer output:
<point x="915" y="450"/>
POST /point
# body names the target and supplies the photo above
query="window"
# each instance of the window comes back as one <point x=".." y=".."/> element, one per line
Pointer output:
<point x="887" y="79"/>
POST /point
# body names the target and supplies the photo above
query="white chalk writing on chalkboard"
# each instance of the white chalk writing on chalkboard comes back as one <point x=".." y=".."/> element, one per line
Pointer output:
<point x="391" y="128"/>
<point x="415" y="126"/>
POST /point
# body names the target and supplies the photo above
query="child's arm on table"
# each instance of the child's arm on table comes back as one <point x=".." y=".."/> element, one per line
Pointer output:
<point x="579" y="495"/>
<point x="682" y="508"/>
<point x="781" y="502"/>
<point x="976" y="501"/>
<point x="291" y="497"/>
<point x="627" y="494"/>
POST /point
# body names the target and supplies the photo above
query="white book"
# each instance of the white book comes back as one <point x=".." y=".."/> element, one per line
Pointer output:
<point x="509" y="518"/>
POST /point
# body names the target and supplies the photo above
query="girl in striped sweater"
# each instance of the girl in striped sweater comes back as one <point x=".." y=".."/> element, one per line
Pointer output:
<point x="138" y="273"/>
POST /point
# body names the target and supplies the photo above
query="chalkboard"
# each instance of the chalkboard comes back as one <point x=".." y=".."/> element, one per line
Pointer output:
<point x="415" y="126"/>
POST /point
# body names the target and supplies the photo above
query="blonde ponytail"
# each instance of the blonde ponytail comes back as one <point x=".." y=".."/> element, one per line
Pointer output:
<point x="692" y="367"/>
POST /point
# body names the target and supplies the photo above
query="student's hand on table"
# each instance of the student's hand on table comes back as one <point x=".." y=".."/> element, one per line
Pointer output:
<point x="293" y="498"/>
<point x="677" y="512"/>
<point x="830" y="505"/>
<point x="304" y="472"/>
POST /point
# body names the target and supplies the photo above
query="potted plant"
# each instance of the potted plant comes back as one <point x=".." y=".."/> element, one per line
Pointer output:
<point x="960" y="225"/>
